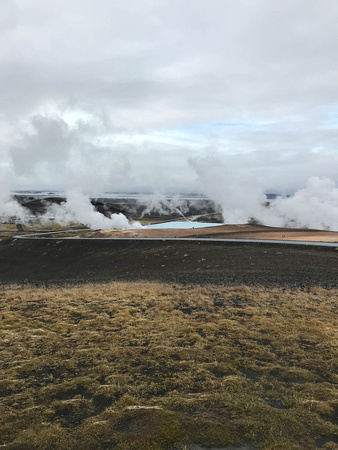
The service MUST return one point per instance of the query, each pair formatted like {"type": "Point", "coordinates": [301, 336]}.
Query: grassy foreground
{"type": "Point", "coordinates": [153, 366]}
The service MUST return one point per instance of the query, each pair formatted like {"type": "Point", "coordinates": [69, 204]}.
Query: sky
{"type": "Point", "coordinates": [170, 95]}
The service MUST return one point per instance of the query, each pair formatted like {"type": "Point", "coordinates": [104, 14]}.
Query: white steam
{"type": "Point", "coordinates": [315, 206]}
{"type": "Point", "coordinates": [242, 198]}
{"type": "Point", "coordinates": [9, 207]}
{"type": "Point", "coordinates": [78, 209]}
{"type": "Point", "coordinates": [158, 203]}
{"type": "Point", "coordinates": [51, 146]}
{"type": "Point", "coordinates": [237, 192]}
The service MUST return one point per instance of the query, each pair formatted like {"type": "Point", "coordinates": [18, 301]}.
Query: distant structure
{"type": "Point", "coordinates": [19, 227]}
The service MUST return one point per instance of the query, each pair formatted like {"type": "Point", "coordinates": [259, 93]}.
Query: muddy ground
{"type": "Point", "coordinates": [72, 261]}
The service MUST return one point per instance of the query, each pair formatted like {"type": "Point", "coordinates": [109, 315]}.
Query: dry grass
{"type": "Point", "coordinates": [152, 366]}
{"type": "Point", "coordinates": [8, 229]}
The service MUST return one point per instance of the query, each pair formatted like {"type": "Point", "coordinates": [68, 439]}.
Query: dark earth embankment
{"type": "Point", "coordinates": [77, 261]}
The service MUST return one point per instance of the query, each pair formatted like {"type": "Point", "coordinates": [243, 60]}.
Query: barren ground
{"type": "Point", "coordinates": [196, 262]}
{"type": "Point", "coordinates": [224, 231]}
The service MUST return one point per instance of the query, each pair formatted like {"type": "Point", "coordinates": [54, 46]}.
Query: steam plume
{"type": "Point", "coordinates": [78, 209]}
{"type": "Point", "coordinates": [162, 205]}
{"type": "Point", "coordinates": [242, 197]}
{"type": "Point", "coordinates": [315, 206]}
{"type": "Point", "coordinates": [8, 206]}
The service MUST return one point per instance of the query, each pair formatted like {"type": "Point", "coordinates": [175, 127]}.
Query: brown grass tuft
{"type": "Point", "coordinates": [155, 366]}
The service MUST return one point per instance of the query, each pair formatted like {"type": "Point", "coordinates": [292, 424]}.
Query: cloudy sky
{"type": "Point", "coordinates": [151, 95]}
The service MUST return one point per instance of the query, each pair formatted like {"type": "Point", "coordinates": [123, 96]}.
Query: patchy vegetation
{"type": "Point", "coordinates": [7, 230]}
{"type": "Point", "coordinates": [153, 366]}
{"type": "Point", "coordinates": [10, 229]}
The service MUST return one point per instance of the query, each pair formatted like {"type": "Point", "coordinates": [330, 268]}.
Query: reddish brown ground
{"type": "Point", "coordinates": [223, 231]}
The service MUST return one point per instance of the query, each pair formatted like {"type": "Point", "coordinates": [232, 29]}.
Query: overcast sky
{"type": "Point", "coordinates": [143, 95]}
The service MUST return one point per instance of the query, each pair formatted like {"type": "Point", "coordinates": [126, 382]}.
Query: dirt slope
{"type": "Point", "coordinates": [224, 231]}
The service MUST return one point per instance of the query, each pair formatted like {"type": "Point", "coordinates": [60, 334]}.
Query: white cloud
{"type": "Point", "coordinates": [122, 95]}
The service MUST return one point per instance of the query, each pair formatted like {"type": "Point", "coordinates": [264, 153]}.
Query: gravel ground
{"type": "Point", "coordinates": [46, 261]}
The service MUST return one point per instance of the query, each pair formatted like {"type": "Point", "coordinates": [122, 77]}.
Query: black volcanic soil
{"type": "Point", "coordinates": [44, 261]}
